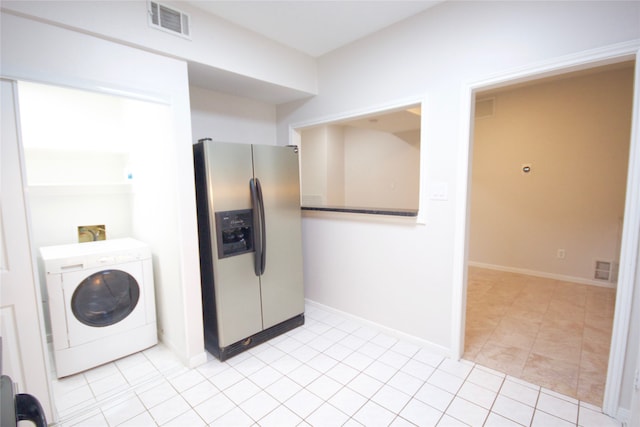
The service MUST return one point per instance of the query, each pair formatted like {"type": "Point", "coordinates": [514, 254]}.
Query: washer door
{"type": "Point", "coordinates": [105, 298]}
{"type": "Point", "coordinates": [100, 302]}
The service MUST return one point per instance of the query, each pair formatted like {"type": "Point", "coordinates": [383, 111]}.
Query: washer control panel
{"type": "Point", "coordinates": [81, 256]}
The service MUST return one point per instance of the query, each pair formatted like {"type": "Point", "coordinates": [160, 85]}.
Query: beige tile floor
{"type": "Point", "coordinates": [548, 332]}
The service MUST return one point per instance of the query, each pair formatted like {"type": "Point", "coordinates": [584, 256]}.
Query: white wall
{"type": "Point", "coordinates": [79, 151]}
{"type": "Point", "coordinates": [575, 133]}
{"type": "Point", "coordinates": [229, 118]}
{"type": "Point", "coordinates": [216, 45]}
{"type": "Point", "coordinates": [402, 276]}
{"type": "Point", "coordinates": [36, 51]}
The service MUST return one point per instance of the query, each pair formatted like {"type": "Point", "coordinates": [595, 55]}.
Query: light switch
{"type": "Point", "coordinates": [439, 191]}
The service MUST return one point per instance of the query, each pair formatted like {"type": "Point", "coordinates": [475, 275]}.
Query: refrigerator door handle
{"type": "Point", "coordinates": [263, 230]}
{"type": "Point", "coordinates": [259, 234]}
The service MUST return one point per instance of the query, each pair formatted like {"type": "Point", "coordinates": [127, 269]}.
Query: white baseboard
{"type": "Point", "coordinates": [197, 360]}
{"type": "Point", "coordinates": [189, 362]}
{"type": "Point", "coordinates": [435, 348]}
{"type": "Point", "coordinates": [546, 275]}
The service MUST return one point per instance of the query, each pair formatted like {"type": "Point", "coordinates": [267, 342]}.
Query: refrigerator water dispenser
{"type": "Point", "coordinates": [235, 232]}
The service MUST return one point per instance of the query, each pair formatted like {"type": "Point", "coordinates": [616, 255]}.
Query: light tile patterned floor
{"type": "Point", "coordinates": [332, 371]}
{"type": "Point", "coordinates": [553, 333]}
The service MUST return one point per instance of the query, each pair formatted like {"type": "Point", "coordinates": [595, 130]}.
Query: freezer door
{"type": "Point", "coordinates": [238, 305]}
{"type": "Point", "coordinates": [237, 289]}
{"type": "Point", "coordinates": [282, 283]}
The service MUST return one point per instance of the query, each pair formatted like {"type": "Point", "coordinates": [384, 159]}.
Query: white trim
{"type": "Point", "coordinates": [461, 222]}
{"type": "Point", "coordinates": [439, 350]}
{"type": "Point", "coordinates": [628, 260]}
{"type": "Point", "coordinates": [197, 360]}
{"type": "Point", "coordinates": [46, 398]}
{"type": "Point", "coordinates": [562, 65]}
{"type": "Point", "coordinates": [535, 273]}
{"type": "Point", "coordinates": [90, 86]}
{"type": "Point", "coordinates": [357, 113]}
{"type": "Point", "coordinates": [631, 230]}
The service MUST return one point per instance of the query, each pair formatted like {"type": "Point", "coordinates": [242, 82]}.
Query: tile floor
{"type": "Point", "coordinates": [332, 371]}
{"type": "Point", "coordinates": [556, 334]}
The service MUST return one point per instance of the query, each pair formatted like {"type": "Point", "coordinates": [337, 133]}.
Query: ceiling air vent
{"type": "Point", "coordinates": [168, 19]}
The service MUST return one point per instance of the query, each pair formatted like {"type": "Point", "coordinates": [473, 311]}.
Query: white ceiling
{"type": "Point", "coordinates": [311, 26]}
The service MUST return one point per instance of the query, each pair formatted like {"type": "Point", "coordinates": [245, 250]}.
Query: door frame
{"type": "Point", "coordinates": [24, 340]}
{"type": "Point", "coordinates": [631, 228]}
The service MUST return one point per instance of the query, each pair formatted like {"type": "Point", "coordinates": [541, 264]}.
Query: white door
{"type": "Point", "coordinates": [23, 348]}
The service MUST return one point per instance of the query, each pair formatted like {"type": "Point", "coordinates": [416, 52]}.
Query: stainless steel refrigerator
{"type": "Point", "coordinates": [248, 203]}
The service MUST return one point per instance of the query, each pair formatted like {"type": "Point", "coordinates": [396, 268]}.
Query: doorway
{"type": "Point", "coordinates": [89, 158]}
{"type": "Point", "coordinates": [617, 385]}
{"type": "Point", "coordinates": [547, 200]}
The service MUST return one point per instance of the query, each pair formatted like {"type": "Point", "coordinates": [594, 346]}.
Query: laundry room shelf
{"type": "Point", "coordinates": [78, 189]}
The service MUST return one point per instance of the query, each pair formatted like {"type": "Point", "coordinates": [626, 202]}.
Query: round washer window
{"type": "Point", "coordinates": [105, 298]}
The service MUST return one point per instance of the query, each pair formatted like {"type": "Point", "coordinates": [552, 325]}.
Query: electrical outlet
{"type": "Point", "coordinates": [561, 254]}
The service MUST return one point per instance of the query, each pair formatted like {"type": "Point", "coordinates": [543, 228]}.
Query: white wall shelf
{"type": "Point", "coordinates": [78, 189]}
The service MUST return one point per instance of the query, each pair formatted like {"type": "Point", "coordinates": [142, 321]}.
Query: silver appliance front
{"type": "Point", "coordinates": [246, 300]}
{"type": "Point", "coordinates": [237, 290]}
{"type": "Point", "coordinates": [281, 282]}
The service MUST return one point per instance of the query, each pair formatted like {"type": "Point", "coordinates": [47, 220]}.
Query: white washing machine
{"type": "Point", "coordinates": [101, 302]}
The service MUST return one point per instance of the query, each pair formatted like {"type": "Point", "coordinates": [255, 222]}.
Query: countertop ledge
{"type": "Point", "coordinates": [369, 211]}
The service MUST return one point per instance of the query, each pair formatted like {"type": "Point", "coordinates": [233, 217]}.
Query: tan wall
{"type": "Point", "coordinates": [381, 169]}
{"type": "Point", "coordinates": [575, 134]}
{"type": "Point", "coordinates": [355, 167]}
{"type": "Point", "coordinates": [313, 156]}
